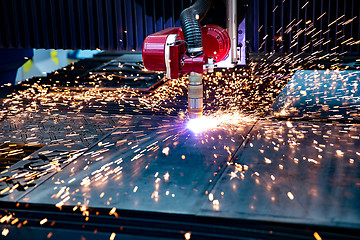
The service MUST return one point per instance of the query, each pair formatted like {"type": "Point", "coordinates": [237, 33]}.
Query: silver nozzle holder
{"type": "Point", "coordinates": [195, 95]}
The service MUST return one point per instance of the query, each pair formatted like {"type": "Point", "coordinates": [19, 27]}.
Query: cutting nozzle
{"type": "Point", "coordinates": [195, 95]}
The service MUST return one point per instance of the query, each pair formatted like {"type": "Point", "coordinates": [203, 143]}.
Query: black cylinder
{"type": "Point", "coordinates": [189, 20]}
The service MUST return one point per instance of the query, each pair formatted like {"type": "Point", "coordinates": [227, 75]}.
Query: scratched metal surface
{"type": "Point", "coordinates": [65, 136]}
{"type": "Point", "coordinates": [302, 172]}
{"type": "Point", "coordinates": [152, 163]}
{"type": "Point", "coordinates": [58, 128]}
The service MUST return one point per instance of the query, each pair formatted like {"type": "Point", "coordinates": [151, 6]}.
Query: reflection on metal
{"type": "Point", "coordinates": [150, 164]}
{"type": "Point", "coordinates": [299, 172]}
{"type": "Point", "coordinates": [119, 152]}
{"type": "Point", "coordinates": [320, 94]}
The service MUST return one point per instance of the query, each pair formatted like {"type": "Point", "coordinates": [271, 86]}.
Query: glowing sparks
{"type": "Point", "coordinates": [339, 153]}
{"type": "Point", "coordinates": [317, 236]}
{"type": "Point", "coordinates": [216, 120]}
{"type": "Point", "coordinates": [211, 197]}
{"type": "Point", "coordinates": [267, 160]}
{"type": "Point", "coordinates": [216, 205]}
{"type": "Point", "coordinates": [166, 177]}
{"type": "Point", "coordinates": [233, 175]}
{"type": "Point", "coordinates": [198, 125]}
{"type": "Point", "coordinates": [43, 221]}
{"type": "Point", "coordinates": [4, 190]}
{"type": "Point", "coordinates": [113, 212]}
{"type": "Point", "coordinates": [5, 218]}
{"type": "Point", "coordinates": [5, 232]}
{"type": "Point", "coordinates": [187, 235]}
{"type": "Point", "coordinates": [166, 151]}
{"type": "Point", "coordinates": [112, 236]}
{"type": "Point", "coordinates": [290, 195]}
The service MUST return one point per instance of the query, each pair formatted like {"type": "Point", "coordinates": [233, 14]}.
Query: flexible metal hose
{"type": "Point", "coordinates": [189, 20]}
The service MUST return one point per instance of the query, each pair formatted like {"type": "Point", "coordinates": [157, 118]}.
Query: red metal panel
{"type": "Point", "coordinates": [216, 42]}
{"type": "Point", "coordinates": [154, 49]}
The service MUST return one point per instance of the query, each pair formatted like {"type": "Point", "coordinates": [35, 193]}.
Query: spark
{"type": "Point", "coordinates": [268, 161]}
{"type": "Point", "coordinates": [113, 212]}
{"type": "Point", "coordinates": [202, 124]}
{"type": "Point", "coordinates": [339, 153]}
{"type": "Point", "coordinates": [290, 195]}
{"type": "Point", "coordinates": [5, 232]}
{"type": "Point", "coordinates": [43, 221]}
{"type": "Point", "coordinates": [216, 204]}
{"type": "Point", "coordinates": [211, 197]}
{"type": "Point", "coordinates": [166, 151]}
{"type": "Point", "coordinates": [317, 236]}
{"type": "Point", "coordinates": [217, 120]}
{"type": "Point", "coordinates": [233, 175]}
{"type": "Point", "coordinates": [187, 235]}
{"type": "Point", "coordinates": [166, 177]}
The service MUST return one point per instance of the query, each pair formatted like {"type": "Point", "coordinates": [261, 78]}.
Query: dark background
{"type": "Point", "coordinates": [123, 24]}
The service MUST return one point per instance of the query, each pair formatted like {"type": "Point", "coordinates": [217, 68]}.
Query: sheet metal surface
{"type": "Point", "coordinates": [301, 172]}
{"type": "Point", "coordinates": [65, 137]}
{"type": "Point", "coordinates": [152, 164]}
{"type": "Point", "coordinates": [320, 94]}
{"type": "Point", "coordinates": [287, 171]}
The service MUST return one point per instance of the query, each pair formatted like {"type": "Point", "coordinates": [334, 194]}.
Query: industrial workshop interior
{"type": "Point", "coordinates": [179, 119]}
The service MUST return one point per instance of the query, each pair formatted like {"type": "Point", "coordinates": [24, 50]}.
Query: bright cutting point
{"type": "Point", "coordinates": [198, 125]}
{"type": "Point", "coordinates": [218, 119]}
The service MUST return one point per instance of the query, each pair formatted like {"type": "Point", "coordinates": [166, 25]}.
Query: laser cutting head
{"type": "Point", "coordinates": [166, 51]}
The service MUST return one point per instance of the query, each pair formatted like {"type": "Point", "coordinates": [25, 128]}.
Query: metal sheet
{"type": "Point", "coordinates": [152, 164]}
{"type": "Point", "coordinates": [300, 172]}
{"type": "Point", "coordinates": [320, 94]}
{"type": "Point", "coordinates": [65, 137]}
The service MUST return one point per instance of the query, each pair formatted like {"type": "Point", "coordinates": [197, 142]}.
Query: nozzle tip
{"type": "Point", "coordinates": [195, 113]}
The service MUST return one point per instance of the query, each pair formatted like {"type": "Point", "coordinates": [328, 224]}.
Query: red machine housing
{"type": "Point", "coordinates": [216, 42]}
{"type": "Point", "coordinates": [165, 50]}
